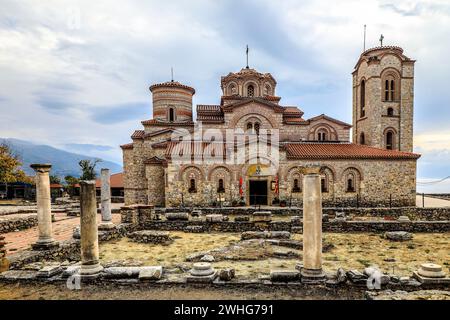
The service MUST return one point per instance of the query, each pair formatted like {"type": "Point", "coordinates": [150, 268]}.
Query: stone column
{"type": "Point", "coordinates": [44, 213]}
{"type": "Point", "coordinates": [312, 225]}
{"type": "Point", "coordinates": [88, 228]}
{"type": "Point", "coordinates": [106, 223]}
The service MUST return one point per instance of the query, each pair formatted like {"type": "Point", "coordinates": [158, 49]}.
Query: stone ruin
{"type": "Point", "coordinates": [310, 271]}
{"type": "Point", "coordinates": [150, 236]}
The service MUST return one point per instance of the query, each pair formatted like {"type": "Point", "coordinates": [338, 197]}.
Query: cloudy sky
{"type": "Point", "coordinates": [75, 74]}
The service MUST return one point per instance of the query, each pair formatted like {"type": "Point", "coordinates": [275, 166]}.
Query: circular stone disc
{"type": "Point", "coordinates": [431, 267]}
{"type": "Point", "coordinates": [202, 266]}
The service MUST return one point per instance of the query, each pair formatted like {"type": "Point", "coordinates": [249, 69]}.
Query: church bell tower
{"type": "Point", "coordinates": [383, 99]}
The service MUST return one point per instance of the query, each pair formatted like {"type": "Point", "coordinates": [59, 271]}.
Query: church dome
{"type": "Point", "coordinates": [248, 83]}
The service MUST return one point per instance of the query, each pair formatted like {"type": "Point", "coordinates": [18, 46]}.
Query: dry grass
{"type": "Point", "coordinates": [352, 251]}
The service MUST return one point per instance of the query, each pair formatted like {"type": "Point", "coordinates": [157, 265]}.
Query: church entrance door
{"type": "Point", "coordinates": [258, 192]}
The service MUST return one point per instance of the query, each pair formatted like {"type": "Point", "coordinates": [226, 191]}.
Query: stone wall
{"type": "Point", "coordinates": [21, 223]}
{"type": "Point", "coordinates": [346, 226]}
{"type": "Point", "coordinates": [414, 213]}
{"type": "Point", "coordinates": [378, 183]}
{"type": "Point", "coordinates": [67, 250]}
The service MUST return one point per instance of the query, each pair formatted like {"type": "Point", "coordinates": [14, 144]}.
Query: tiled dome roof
{"type": "Point", "coordinates": [172, 84]}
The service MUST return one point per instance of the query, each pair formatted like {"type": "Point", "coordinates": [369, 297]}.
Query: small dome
{"type": "Point", "coordinates": [172, 84]}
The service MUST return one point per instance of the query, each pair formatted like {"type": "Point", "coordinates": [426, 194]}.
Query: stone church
{"type": "Point", "coordinates": [376, 168]}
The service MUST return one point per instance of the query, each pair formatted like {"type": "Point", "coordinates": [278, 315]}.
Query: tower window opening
{"type": "Point", "coordinates": [386, 90]}
{"type": "Point", "coordinates": [171, 115]}
{"type": "Point", "coordinates": [390, 112]}
{"type": "Point", "coordinates": [362, 138]}
{"type": "Point", "coordinates": [392, 91]}
{"type": "Point", "coordinates": [250, 91]}
{"type": "Point", "coordinates": [389, 140]}
{"type": "Point", "coordinates": [249, 126]}
{"type": "Point", "coordinates": [363, 99]}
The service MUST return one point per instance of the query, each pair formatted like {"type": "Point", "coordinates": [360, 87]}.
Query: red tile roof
{"type": "Point", "coordinates": [296, 120]}
{"type": "Point", "coordinates": [156, 122]}
{"type": "Point", "coordinates": [210, 113]}
{"type": "Point", "coordinates": [206, 150]}
{"type": "Point", "coordinates": [138, 134]}
{"type": "Point", "coordinates": [323, 116]}
{"type": "Point", "coordinates": [116, 181]}
{"type": "Point", "coordinates": [174, 84]}
{"type": "Point", "coordinates": [127, 146]}
{"type": "Point", "coordinates": [342, 151]}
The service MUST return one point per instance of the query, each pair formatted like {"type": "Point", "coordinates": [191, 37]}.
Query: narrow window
{"type": "Point", "coordinates": [171, 115]}
{"type": "Point", "coordinates": [350, 185]}
{"type": "Point", "coordinates": [257, 128]}
{"type": "Point", "coordinates": [323, 185]}
{"type": "Point", "coordinates": [363, 98]}
{"type": "Point", "coordinates": [390, 112]}
{"type": "Point", "coordinates": [392, 91]}
{"type": "Point", "coordinates": [192, 188]}
{"type": "Point", "coordinates": [386, 90]}
{"type": "Point", "coordinates": [389, 140]}
{"type": "Point", "coordinates": [249, 126]}
{"type": "Point", "coordinates": [362, 138]}
{"type": "Point", "coordinates": [322, 135]}
{"type": "Point", "coordinates": [220, 188]}
{"type": "Point", "coordinates": [250, 91]}
{"type": "Point", "coordinates": [296, 187]}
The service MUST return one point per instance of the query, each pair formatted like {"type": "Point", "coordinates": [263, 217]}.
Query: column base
{"type": "Point", "coordinates": [106, 225]}
{"type": "Point", "coordinates": [90, 270]}
{"type": "Point", "coordinates": [312, 275]}
{"type": "Point", "coordinates": [45, 245]}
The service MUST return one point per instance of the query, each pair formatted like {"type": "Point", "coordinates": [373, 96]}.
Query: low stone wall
{"type": "Point", "coordinates": [20, 223]}
{"type": "Point", "coordinates": [67, 250]}
{"type": "Point", "coordinates": [341, 226]}
{"type": "Point", "coordinates": [414, 213]}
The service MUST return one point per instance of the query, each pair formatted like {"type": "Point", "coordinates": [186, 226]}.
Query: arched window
{"type": "Point", "coordinates": [322, 135]}
{"type": "Point", "coordinates": [350, 183]}
{"type": "Point", "coordinates": [171, 115]}
{"type": "Point", "coordinates": [363, 98]}
{"type": "Point", "coordinates": [323, 185]}
{"type": "Point", "coordinates": [250, 91]}
{"type": "Point", "coordinates": [390, 88]}
{"type": "Point", "coordinates": [362, 138]}
{"type": "Point", "coordinates": [257, 125]}
{"type": "Point", "coordinates": [391, 92]}
{"type": "Point", "coordinates": [390, 112]}
{"type": "Point", "coordinates": [249, 126]}
{"type": "Point", "coordinates": [232, 89]}
{"type": "Point", "coordinates": [296, 187]}
{"type": "Point", "coordinates": [220, 187]}
{"type": "Point", "coordinates": [389, 140]}
{"type": "Point", "coordinates": [192, 188]}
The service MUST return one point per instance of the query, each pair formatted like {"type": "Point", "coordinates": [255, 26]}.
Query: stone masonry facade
{"type": "Point", "coordinates": [377, 169]}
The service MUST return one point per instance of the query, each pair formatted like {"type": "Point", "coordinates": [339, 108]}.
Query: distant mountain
{"type": "Point", "coordinates": [63, 163]}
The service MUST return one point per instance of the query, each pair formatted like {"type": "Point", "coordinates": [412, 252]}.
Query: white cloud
{"type": "Point", "coordinates": [62, 62]}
